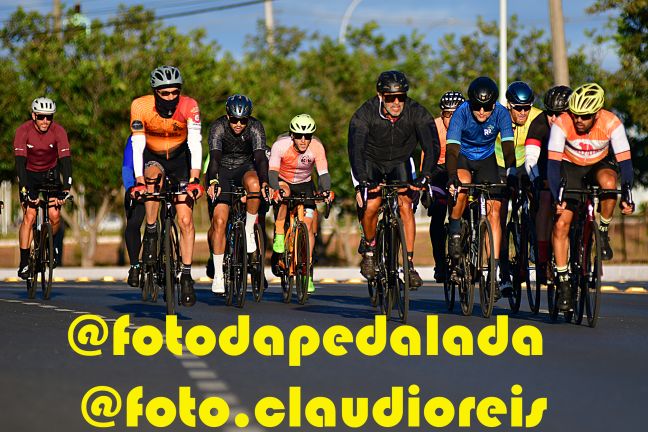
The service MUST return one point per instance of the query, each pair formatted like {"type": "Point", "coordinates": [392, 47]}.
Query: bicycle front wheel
{"type": "Point", "coordinates": [257, 265]}
{"type": "Point", "coordinates": [238, 266]}
{"type": "Point", "coordinates": [46, 259]}
{"type": "Point", "coordinates": [381, 255]}
{"type": "Point", "coordinates": [486, 268]}
{"type": "Point", "coordinates": [450, 281]}
{"type": "Point", "coordinates": [517, 263]}
{"type": "Point", "coordinates": [170, 265]}
{"type": "Point", "coordinates": [592, 266]}
{"type": "Point", "coordinates": [401, 271]}
{"type": "Point", "coordinates": [302, 261]}
{"type": "Point", "coordinates": [34, 256]}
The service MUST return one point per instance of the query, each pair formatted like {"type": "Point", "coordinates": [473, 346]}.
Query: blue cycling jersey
{"type": "Point", "coordinates": [477, 140]}
{"type": "Point", "coordinates": [128, 173]}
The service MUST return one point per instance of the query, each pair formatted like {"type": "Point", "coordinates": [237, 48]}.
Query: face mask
{"type": "Point", "coordinates": [165, 108]}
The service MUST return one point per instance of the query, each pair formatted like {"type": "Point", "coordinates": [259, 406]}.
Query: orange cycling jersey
{"type": "Point", "coordinates": [163, 135]}
{"type": "Point", "coordinates": [588, 148]}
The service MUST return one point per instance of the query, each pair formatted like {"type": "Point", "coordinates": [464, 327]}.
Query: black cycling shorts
{"type": "Point", "coordinates": [306, 188]}
{"type": "Point", "coordinates": [377, 172]}
{"type": "Point", "coordinates": [35, 180]}
{"type": "Point", "coordinates": [229, 179]}
{"type": "Point", "coordinates": [482, 171]}
{"type": "Point", "coordinates": [175, 166]}
{"type": "Point", "coordinates": [579, 176]}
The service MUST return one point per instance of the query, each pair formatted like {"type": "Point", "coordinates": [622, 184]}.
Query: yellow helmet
{"type": "Point", "coordinates": [587, 99]}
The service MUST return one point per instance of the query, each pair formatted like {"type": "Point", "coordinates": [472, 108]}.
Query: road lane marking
{"type": "Point", "coordinates": [636, 290]}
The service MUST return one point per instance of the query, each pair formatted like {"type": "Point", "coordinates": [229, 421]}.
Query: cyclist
{"type": "Point", "coordinates": [555, 103]}
{"type": "Point", "coordinates": [135, 213]}
{"type": "Point", "coordinates": [520, 98]}
{"type": "Point", "coordinates": [448, 104]}
{"type": "Point", "coordinates": [42, 154]}
{"type": "Point", "coordinates": [579, 147]}
{"type": "Point", "coordinates": [237, 146]}
{"type": "Point", "coordinates": [470, 156]}
{"type": "Point", "coordinates": [166, 140]}
{"type": "Point", "coordinates": [383, 134]}
{"type": "Point", "coordinates": [292, 159]}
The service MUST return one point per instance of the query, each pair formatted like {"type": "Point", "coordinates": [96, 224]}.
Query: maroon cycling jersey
{"type": "Point", "coordinates": [42, 150]}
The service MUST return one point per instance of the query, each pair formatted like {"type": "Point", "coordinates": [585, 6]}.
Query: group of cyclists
{"type": "Point", "coordinates": [474, 140]}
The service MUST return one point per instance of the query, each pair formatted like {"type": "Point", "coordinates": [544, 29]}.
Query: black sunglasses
{"type": "Point", "coordinates": [582, 116]}
{"type": "Point", "coordinates": [391, 98]}
{"type": "Point", "coordinates": [520, 108]}
{"type": "Point", "coordinates": [242, 120]}
{"type": "Point", "coordinates": [44, 117]}
{"type": "Point", "coordinates": [306, 136]}
{"type": "Point", "coordinates": [477, 106]}
{"type": "Point", "coordinates": [553, 113]}
{"type": "Point", "coordinates": [168, 93]}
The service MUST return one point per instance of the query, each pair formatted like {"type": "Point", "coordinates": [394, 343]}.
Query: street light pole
{"type": "Point", "coordinates": [503, 51]}
{"type": "Point", "coordinates": [345, 20]}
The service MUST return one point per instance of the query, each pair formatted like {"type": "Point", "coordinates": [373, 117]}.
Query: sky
{"type": "Point", "coordinates": [431, 18]}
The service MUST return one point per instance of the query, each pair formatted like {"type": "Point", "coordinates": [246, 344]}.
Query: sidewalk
{"type": "Point", "coordinates": [611, 273]}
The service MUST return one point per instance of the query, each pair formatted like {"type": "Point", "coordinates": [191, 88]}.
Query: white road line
{"type": "Point", "coordinates": [212, 386]}
{"type": "Point", "coordinates": [200, 374]}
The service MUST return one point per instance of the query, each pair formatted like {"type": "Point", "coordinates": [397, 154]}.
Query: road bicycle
{"type": "Point", "coordinates": [236, 263]}
{"type": "Point", "coordinates": [297, 265]}
{"type": "Point", "coordinates": [389, 290]}
{"type": "Point", "coordinates": [585, 258]}
{"type": "Point", "coordinates": [42, 259]}
{"type": "Point", "coordinates": [164, 272]}
{"type": "Point", "coordinates": [477, 261]}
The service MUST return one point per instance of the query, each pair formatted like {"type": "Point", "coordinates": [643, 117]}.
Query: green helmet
{"type": "Point", "coordinates": [302, 123]}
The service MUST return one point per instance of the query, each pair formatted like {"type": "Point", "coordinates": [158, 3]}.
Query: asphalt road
{"type": "Point", "coordinates": [591, 379]}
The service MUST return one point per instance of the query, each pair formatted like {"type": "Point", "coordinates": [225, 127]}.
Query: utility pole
{"type": "Point", "coordinates": [503, 53]}
{"type": "Point", "coordinates": [558, 49]}
{"type": "Point", "coordinates": [269, 20]}
{"type": "Point", "coordinates": [57, 17]}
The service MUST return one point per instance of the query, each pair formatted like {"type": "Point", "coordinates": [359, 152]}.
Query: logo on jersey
{"type": "Point", "coordinates": [490, 130]}
{"type": "Point", "coordinates": [137, 125]}
{"type": "Point", "coordinates": [195, 112]}
{"type": "Point", "coordinates": [306, 159]}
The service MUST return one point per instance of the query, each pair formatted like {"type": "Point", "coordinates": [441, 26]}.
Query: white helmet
{"type": "Point", "coordinates": [43, 105]}
{"type": "Point", "coordinates": [166, 76]}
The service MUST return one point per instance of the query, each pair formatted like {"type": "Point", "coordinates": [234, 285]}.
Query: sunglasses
{"type": "Point", "coordinates": [553, 113]}
{"type": "Point", "coordinates": [478, 107]}
{"type": "Point", "coordinates": [242, 120]}
{"type": "Point", "coordinates": [168, 93]}
{"type": "Point", "coordinates": [391, 98]}
{"type": "Point", "coordinates": [446, 114]}
{"type": "Point", "coordinates": [583, 116]}
{"type": "Point", "coordinates": [44, 117]}
{"type": "Point", "coordinates": [521, 108]}
{"type": "Point", "coordinates": [306, 136]}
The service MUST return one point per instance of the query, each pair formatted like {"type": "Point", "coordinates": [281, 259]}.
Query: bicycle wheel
{"type": "Point", "coordinates": [592, 277]}
{"type": "Point", "coordinates": [383, 292]}
{"type": "Point", "coordinates": [529, 246]}
{"type": "Point", "coordinates": [147, 282]}
{"type": "Point", "coordinates": [486, 268]}
{"type": "Point", "coordinates": [46, 259]}
{"type": "Point", "coordinates": [302, 262]}
{"type": "Point", "coordinates": [169, 263]}
{"type": "Point", "coordinates": [33, 263]}
{"type": "Point", "coordinates": [238, 267]}
{"type": "Point", "coordinates": [449, 283]}
{"type": "Point", "coordinates": [401, 270]}
{"type": "Point", "coordinates": [257, 265]}
{"type": "Point", "coordinates": [517, 264]}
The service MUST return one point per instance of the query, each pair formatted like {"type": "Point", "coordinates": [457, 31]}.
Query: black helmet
{"type": "Point", "coordinates": [482, 92]}
{"type": "Point", "coordinates": [392, 82]}
{"type": "Point", "coordinates": [238, 106]}
{"type": "Point", "coordinates": [556, 98]}
{"type": "Point", "coordinates": [451, 100]}
{"type": "Point", "coordinates": [519, 93]}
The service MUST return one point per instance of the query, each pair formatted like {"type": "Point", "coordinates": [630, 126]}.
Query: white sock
{"type": "Point", "coordinates": [218, 265]}
{"type": "Point", "coordinates": [250, 220]}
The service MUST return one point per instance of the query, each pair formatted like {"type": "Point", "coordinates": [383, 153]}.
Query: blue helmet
{"type": "Point", "coordinates": [238, 106]}
{"type": "Point", "coordinates": [519, 93]}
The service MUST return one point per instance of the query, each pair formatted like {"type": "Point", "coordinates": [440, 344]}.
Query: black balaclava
{"type": "Point", "coordinates": [165, 108]}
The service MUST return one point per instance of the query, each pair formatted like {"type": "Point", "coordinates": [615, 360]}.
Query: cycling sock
{"type": "Point", "coordinates": [497, 272]}
{"type": "Point", "coordinates": [454, 226]}
{"type": "Point", "coordinates": [278, 243]}
{"type": "Point", "coordinates": [561, 269]}
{"type": "Point", "coordinates": [371, 244]}
{"type": "Point", "coordinates": [543, 249]}
{"type": "Point", "coordinates": [186, 269]}
{"type": "Point", "coordinates": [24, 257]}
{"type": "Point", "coordinates": [218, 265]}
{"type": "Point", "coordinates": [605, 224]}
{"type": "Point", "coordinates": [151, 228]}
{"type": "Point", "coordinates": [250, 220]}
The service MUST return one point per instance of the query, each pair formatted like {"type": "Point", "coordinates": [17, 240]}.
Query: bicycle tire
{"type": "Point", "coordinates": [449, 285]}
{"type": "Point", "coordinates": [46, 260]}
{"type": "Point", "coordinates": [257, 265]}
{"type": "Point", "coordinates": [486, 268]}
{"type": "Point", "coordinates": [517, 265]}
{"type": "Point", "coordinates": [149, 289]}
{"type": "Point", "coordinates": [32, 278]}
{"type": "Point", "coordinates": [169, 263]}
{"type": "Point", "coordinates": [401, 270]}
{"type": "Point", "coordinates": [238, 265]}
{"type": "Point", "coordinates": [302, 261]}
{"type": "Point", "coordinates": [382, 287]}
{"type": "Point", "coordinates": [592, 278]}
{"type": "Point", "coordinates": [529, 246]}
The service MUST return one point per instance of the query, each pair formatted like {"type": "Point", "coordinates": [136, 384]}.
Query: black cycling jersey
{"type": "Point", "coordinates": [539, 131]}
{"type": "Point", "coordinates": [231, 151]}
{"type": "Point", "coordinates": [374, 137]}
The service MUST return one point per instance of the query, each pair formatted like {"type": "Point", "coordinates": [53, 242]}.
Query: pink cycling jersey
{"type": "Point", "coordinates": [295, 167]}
